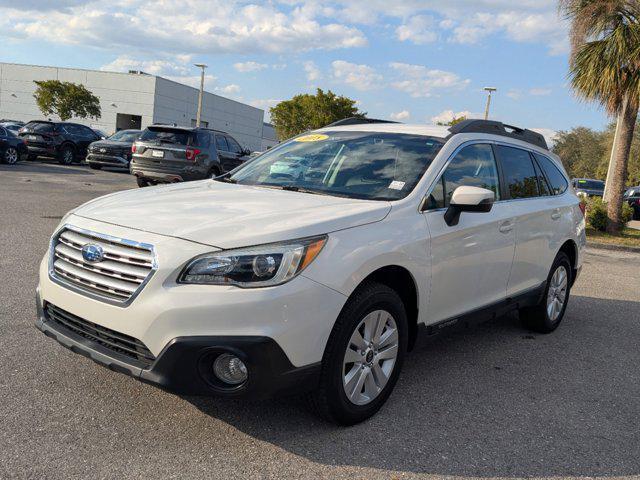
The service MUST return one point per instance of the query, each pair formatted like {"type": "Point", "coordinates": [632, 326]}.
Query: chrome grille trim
{"type": "Point", "coordinates": [118, 279]}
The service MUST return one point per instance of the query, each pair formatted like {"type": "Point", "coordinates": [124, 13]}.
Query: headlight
{"type": "Point", "coordinates": [262, 266]}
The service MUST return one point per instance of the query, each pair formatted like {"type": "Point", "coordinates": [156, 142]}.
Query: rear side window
{"type": "Point", "coordinates": [472, 166]}
{"type": "Point", "coordinates": [168, 135]}
{"type": "Point", "coordinates": [557, 181]}
{"type": "Point", "coordinates": [221, 143]}
{"type": "Point", "coordinates": [3, 132]}
{"type": "Point", "coordinates": [542, 182]}
{"type": "Point", "coordinates": [519, 174]}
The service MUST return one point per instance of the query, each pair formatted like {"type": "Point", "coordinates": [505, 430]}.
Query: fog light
{"type": "Point", "coordinates": [230, 369]}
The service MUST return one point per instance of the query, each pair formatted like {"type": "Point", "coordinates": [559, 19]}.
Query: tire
{"type": "Point", "coordinates": [11, 156]}
{"type": "Point", "coordinates": [142, 182]}
{"type": "Point", "coordinates": [545, 317]}
{"type": "Point", "coordinates": [95, 166]}
{"type": "Point", "coordinates": [339, 376]}
{"type": "Point", "coordinates": [67, 155]}
{"type": "Point", "coordinates": [214, 172]}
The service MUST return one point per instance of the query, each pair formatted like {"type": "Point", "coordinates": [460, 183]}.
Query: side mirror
{"type": "Point", "coordinates": [468, 199]}
{"type": "Point", "coordinates": [246, 151]}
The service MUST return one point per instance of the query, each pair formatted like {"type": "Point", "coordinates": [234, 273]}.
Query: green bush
{"type": "Point", "coordinates": [627, 212]}
{"type": "Point", "coordinates": [597, 213]}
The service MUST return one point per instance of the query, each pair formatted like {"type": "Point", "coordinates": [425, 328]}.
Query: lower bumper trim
{"type": "Point", "coordinates": [185, 364]}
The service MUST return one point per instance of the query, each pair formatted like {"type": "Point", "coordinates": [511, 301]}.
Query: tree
{"type": "Point", "coordinates": [452, 122]}
{"type": "Point", "coordinates": [605, 67]}
{"type": "Point", "coordinates": [307, 112]}
{"type": "Point", "coordinates": [581, 150]}
{"type": "Point", "coordinates": [66, 100]}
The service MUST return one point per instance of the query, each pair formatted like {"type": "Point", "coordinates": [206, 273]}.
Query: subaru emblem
{"type": "Point", "coordinates": [92, 253]}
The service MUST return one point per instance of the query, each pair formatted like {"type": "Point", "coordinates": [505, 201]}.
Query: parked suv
{"type": "Point", "coordinates": [588, 187]}
{"type": "Point", "coordinates": [260, 283]}
{"type": "Point", "coordinates": [166, 153]}
{"type": "Point", "coordinates": [114, 151]}
{"type": "Point", "coordinates": [65, 141]}
{"type": "Point", "coordinates": [632, 197]}
{"type": "Point", "coordinates": [12, 148]}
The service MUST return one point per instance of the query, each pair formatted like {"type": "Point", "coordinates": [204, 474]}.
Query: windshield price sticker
{"type": "Point", "coordinates": [317, 137]}
{"type": "Point", "coordinates": [396, 185]}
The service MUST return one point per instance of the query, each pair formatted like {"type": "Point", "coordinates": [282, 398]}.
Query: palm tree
{"type": "Point", "coordinates": [605, 67]}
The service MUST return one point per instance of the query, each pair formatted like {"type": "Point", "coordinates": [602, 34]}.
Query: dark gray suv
{"type": "Point", "coordinates": [166, 153]}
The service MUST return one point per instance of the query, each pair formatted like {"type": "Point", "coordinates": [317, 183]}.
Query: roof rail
{"type": "Point", "coordinates": [498, 128]}
{"type": "Point", "coordinates": [357, 121]}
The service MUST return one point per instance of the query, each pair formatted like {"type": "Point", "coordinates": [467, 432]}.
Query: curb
{"type": "Point", "coordinates": [616, 248]}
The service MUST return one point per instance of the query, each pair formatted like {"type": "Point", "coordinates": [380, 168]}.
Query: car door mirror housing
{"type": "Point", "coordinates": [468, 199]}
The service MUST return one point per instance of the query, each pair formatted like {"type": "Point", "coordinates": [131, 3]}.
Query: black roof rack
{"type": "Point", "coordinates": [357, 121]}
{"type": "Point", "coordinates": [498, 128]}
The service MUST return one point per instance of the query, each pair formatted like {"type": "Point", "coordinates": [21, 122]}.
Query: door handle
{"type": "Point", "coordinates": [506, 227]}
{"type": "Point", "coordinates": [556, 214]}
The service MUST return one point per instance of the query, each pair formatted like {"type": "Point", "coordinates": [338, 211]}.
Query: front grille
{"type": "Point", "coordinates": [125, 268]}
{"type": "Point", "coordinates": [114, 341]}
{"type": "Point", "coordinates": [110, 151]}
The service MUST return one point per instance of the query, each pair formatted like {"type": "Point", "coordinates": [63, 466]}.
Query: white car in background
{"type": "Point", "coordinates": [259, 283]}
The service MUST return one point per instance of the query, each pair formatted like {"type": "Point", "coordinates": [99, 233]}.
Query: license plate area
{"type": "Point", "coordinates": [157, 153]}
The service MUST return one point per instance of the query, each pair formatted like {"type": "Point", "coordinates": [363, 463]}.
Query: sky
{"type": "Point", "coordinates": [416, 61]}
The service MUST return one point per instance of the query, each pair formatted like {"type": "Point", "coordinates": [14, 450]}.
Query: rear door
{"type": "Point", "coordinates": [536, 216]}
{"type": "Point", "coordinates": [236, 151]}
{"type": "Point", "coordinates": [471, 260]}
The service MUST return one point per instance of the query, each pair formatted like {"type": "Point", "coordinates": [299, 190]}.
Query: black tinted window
{"type": "Point", "coordinates": [204, 140]}
{"type": "Point", "coordinates": [542, 182]}
{"type": "Point", "coordinates": [221, 143]}
{"type": "Point", "coordinates": [168, 135]}
{"type": "Point", "coordinates": [518, 171]}
{"type": "Point", "coordinates": [473, 166]}
{"type": "Point", "coordinates": [3, 132]}
{"type": "Point", "coordinates": [558, 182]}
{"type": "Point", "coordinates": [40, 127]}
{"type": "Point", "coordinates": [233, 145]}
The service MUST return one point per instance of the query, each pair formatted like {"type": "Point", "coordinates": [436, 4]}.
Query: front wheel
{"type": "Point", "coordinates": [142, 182]}
{"type": "Point", "coordinates": [11, 156]}
{"type": "Point", "coordinates": [67, 155]}
{"type": "Point", "coordinates": [549, 312]}
{"type": "Point", "coordinates": [363, 357]}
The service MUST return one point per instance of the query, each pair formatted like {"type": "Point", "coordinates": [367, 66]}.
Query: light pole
{"type": "Point", "coordinates": [199, 114]}
{"type": "Point", "coordinates": [486, 110]}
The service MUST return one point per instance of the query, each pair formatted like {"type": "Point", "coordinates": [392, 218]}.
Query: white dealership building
{"type": "Point", "coordinates": [135, 100]}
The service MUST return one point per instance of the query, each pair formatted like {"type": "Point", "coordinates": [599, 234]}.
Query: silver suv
{"type": "Point", "coordinates": [166, 154]}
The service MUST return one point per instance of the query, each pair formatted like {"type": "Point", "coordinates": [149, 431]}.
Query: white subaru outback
{"type": "Point", "coordinates": [317, 277]}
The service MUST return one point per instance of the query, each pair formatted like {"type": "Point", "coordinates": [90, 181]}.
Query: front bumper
{"type": "Point", "coordinates": [185, 364]}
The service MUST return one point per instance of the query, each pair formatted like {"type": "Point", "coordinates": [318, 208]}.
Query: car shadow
{"type": "Point", "coordinates": [494, 400]}
{"type": "Point", "coordinates": [46, 166]}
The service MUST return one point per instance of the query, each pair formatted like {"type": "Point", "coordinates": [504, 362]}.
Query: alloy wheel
{"type": "Point", "coordinates": [11, 156]}
{"type": "Point", "coordinates": [370, 357]}
{"type": "Point", "coordinates": [557, 294]}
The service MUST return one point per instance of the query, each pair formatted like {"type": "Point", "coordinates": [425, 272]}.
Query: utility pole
{"type": "Point", "coordinates": [486, 110]}
{"type": "Point", "coordinates": [199, 114]}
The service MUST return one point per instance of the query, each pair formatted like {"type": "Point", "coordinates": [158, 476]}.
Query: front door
{"type": "Point", "coordinates": [471, 261]}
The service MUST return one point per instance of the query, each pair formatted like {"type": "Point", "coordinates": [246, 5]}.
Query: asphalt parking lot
{"type": "Point", "coordinates": [492, 401]}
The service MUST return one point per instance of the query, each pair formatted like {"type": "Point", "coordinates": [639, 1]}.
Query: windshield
{"type": "Point", "coordinates": [372, 166]}
{"type": "Point", "coordinates": [590, 184]}
{"type": "Point", "coordinates": [167, 135]}
{"type": "Point", "coordinates": [125, 136]}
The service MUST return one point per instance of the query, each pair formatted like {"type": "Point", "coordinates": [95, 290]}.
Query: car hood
{"type": "Point", "coordinates": [226, 215]}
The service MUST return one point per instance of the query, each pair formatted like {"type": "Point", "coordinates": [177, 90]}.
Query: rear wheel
{"type": "Point", "coordinates": [67, 155]}
{"type": "Point", "coordinates": [11, 156]}
{"type": "Point", "coordinates": [142, 182]}
{"type": "Point", "coordinates": [549, 312]}
{"type": "Point", "coordinates": [363, 357]}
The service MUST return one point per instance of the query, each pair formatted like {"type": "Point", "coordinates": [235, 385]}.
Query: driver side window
{"type": "Point", "coordinates": [473, 166]}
